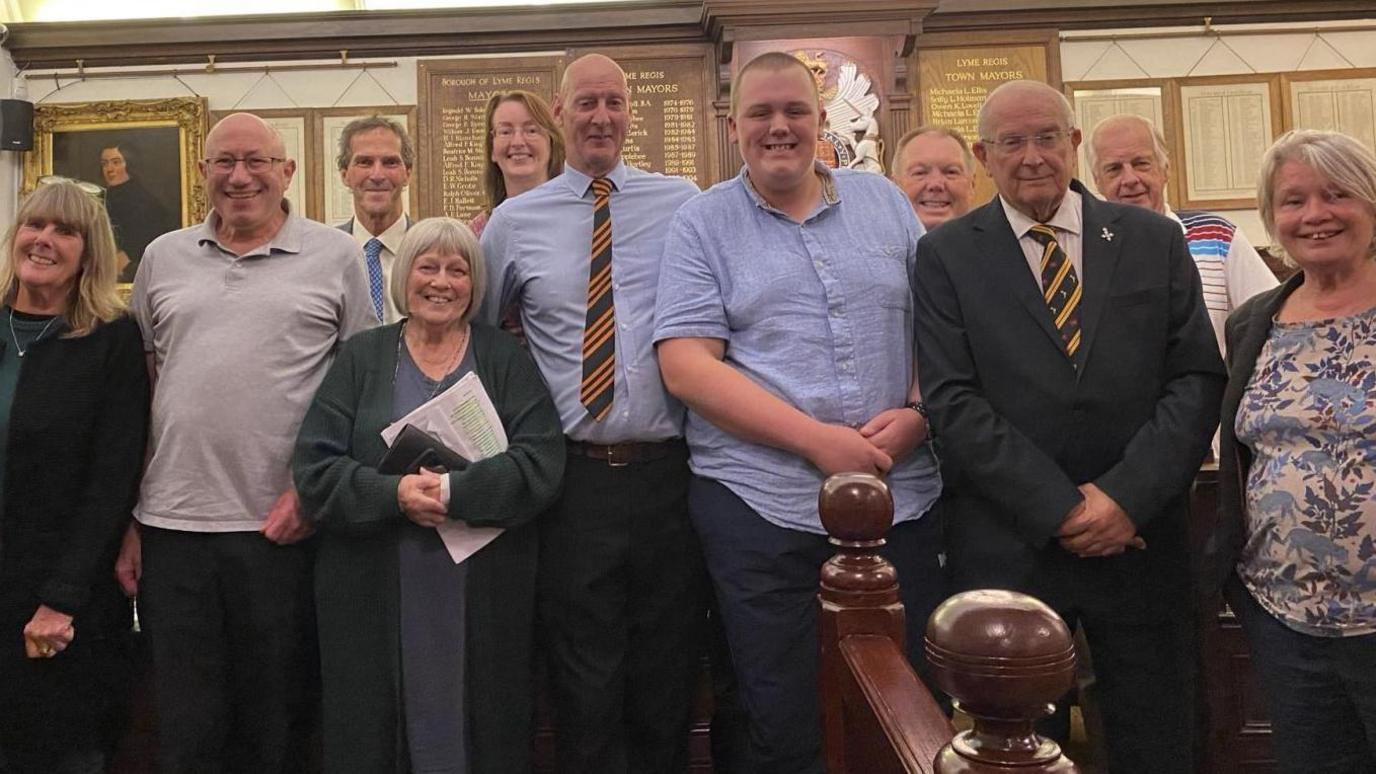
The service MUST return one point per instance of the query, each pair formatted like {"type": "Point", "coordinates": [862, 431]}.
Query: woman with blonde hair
{"type": "Point", "coordinates": [1296, 538]}
{"type": "Point", "coordinates": [73, 421]}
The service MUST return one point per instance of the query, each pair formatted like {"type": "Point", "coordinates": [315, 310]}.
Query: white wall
{"type": "Point", "coordinates": [1264, 49]}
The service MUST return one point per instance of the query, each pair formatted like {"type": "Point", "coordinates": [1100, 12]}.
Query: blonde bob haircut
{"type": "Point", "coordinates": [494, 184]}
{"type": "Point", "coordinates": [94, 298]}
{"type": "Point", "coordinates": [1346, 163]}
{"type": "Point", "coordinates": [446, 236]}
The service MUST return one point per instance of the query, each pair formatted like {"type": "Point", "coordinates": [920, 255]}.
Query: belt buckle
{"type": "Point", "coordinates": [612, 460]}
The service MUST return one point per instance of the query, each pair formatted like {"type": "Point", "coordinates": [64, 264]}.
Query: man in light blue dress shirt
{"type": "Point", "coordinates": [785, 323]}
{"type": "Point", "coordinates": [621, 588]}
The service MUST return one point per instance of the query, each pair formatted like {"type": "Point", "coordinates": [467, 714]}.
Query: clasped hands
{"type": "Point", "coordinates": [873, 447]}
{"type": "Point", "coordinates": [48, 633]}
{"type": "Point", "coordinates": [418, 496]}
{"type": "Point", "coordinates": [1098, 526]}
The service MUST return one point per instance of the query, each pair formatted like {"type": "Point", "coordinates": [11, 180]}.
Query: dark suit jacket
{"type": "Point", "coordinates": [1020, 426]}
{"type": "Point", "coordinates": [1246, 332]}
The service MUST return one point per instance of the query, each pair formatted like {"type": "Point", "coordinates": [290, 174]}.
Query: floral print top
{"type": "Point", "coordinates": [1309, 417]}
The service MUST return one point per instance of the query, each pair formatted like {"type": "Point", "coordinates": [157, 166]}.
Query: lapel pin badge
{"type": "Point", "coordinates": [1106, 234]}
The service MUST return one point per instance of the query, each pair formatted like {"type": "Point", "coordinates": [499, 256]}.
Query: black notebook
{"type": "Point", "coordinates": [414, 449]}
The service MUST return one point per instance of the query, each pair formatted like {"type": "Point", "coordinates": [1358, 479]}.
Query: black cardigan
{"type": "Point", "coordinates": [77, 430]}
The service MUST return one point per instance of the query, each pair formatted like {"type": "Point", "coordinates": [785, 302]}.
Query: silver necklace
{"type": "Point", "coordinates": [24, 350]}
{"type": "Point", "coordinates": [453, 361]}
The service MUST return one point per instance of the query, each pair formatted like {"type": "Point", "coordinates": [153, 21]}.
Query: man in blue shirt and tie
{"type": "Point", "coordinates": [375, 159]}
{"type": "Point", "coordinates": [621, 590]}
{"type": "Point", "coordinates": [785, 323]}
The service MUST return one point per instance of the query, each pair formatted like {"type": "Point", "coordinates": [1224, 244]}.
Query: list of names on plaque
{"type": "Point", "coordinates": [955, 81]}
{"type": "Point", "coordinates": [668, 127]}
{"type": "Point", "coordinates": [459, 102]}
{"type": "Point", "coordinates": [1227, 130]}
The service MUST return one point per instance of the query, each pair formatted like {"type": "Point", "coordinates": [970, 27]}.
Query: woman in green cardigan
{"type": "Point", "coordinates": [425, 663]}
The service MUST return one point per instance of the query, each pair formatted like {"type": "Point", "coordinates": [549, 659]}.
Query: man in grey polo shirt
{"type": "Point", "coordinates": [241, 316]}
{"type": "Point", "coordinates": [784, 321]}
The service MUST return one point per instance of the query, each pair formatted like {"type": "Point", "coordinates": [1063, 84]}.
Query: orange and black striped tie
{"type": "Point", "coordinates": [1060, 287]}
{"type": "Point", "coordinates": [599, 335]}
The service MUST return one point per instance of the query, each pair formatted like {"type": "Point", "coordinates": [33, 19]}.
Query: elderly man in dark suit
{"type": "Point", "coordinates": [1074, 383]}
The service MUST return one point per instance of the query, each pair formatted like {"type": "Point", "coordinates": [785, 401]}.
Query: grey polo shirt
{"type": "Point", "coordinates": [240, 343]}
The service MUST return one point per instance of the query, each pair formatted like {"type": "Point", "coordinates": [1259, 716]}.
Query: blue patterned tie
{"type": "Point", "coordinates": [372, 251]}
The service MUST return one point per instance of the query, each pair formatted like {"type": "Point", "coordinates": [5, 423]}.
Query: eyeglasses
{"type": "Point", "coordinates": [255, 164]}
{"type": "Point", "coordinates": [90, 189]}
{"type": "Point", "coordinates": [1016, 142]}
{"type": "Point", "coordinates": [527, 132]}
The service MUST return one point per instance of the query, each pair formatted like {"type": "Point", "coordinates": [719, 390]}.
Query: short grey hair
{"type": "Point", "coordinates": [1158, 140]}
{"type": "Point", "coordinates": [345, 152]}
{"type": "Point", "coordinates": [943, 131]}
{"type": "Point", "coordinates": [1067, 112]}
{"type": "Point", "coordinates": [443, 235]}
{"type": "Point", "coordinates": [1346, 162]}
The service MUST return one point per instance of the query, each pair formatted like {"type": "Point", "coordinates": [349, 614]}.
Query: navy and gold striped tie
{"type": "Point", "coordinates": [1060, 287]}
{"type": "Point", "coordinates": [599, 335]}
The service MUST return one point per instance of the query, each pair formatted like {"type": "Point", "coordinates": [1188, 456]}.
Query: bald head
{"type": "Point", "coordinates": [589, 65]}
{"type": "Point", "coordinates": [594, 111]}
{"type": "Point", "coordinates": [1022, 92]}
{"type": "Point", "coordinates": [237, 124]}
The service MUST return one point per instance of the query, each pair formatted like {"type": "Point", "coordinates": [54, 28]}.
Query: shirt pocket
{"type": "Point", "coordinates": [886, 268]}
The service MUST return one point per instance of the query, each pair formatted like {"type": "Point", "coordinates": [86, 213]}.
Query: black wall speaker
{"type": "Point", "coordinates": [16, 124]}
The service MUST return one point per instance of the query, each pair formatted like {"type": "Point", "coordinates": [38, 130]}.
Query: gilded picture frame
{"type": "Point", "coordinates": [142, 152]}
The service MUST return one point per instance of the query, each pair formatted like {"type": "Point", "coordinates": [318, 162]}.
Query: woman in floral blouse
{"type": "Point", "coordinates": [1297, 537]}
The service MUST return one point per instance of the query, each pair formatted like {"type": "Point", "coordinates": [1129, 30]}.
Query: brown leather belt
{"type": "Point", "coordinates": [621, 454]}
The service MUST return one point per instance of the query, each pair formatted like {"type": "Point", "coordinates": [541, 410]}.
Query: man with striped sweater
{"type": "Point", "coordinates": [1127, 156]}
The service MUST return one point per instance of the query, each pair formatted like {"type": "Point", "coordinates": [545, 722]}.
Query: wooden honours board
{"type": "Point", "coordinates": [453, 96]}
{"type": "Point", "coordinates": [953, 82]}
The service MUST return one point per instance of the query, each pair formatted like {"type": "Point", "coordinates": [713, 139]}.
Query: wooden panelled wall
{"type": "Point", "coordinates": [927, 60]}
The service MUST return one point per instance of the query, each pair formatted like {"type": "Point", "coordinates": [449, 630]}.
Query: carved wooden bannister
{"type": "Point", "coordinates": [1003, 656]}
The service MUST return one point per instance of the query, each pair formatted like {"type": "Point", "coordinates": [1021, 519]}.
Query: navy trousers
{"type": "Point", "coordinates": [1320, 692]}
{"type": "Point", "coordinates": [766, 579]}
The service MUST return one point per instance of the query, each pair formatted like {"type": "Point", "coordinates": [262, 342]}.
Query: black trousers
{"type": "Point", "coordinates": [1139, 623]}
{"type": "Point", "coordinates": [622, 606]}
{"type": "Point", "coordinates": [766, 580]}
{"type": "Point", "coordinates": [232, 626]}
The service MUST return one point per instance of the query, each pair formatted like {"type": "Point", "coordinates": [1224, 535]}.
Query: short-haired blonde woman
{"type": "Point", "coordinates": [425, 663]}
{"type": "Point", "coordinates": [1297, 531]}
{"type": "Point", "coordinates": [523, 147]}
{"type": "Point", "coordinates": [73, 421]}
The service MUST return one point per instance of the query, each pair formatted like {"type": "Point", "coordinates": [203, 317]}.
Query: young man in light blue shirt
{"type": "Point", "coordinates": [784, 323]}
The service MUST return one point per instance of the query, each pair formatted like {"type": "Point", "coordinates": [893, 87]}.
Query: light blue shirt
{"type": "Point", "coordinates": [538, 247]}
{"type": "Point", "coordinates": [818, 313]}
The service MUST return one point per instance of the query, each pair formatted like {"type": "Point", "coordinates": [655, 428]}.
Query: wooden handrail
{"type": "Point", "coordinates": [877, 717]}
{"type": "Point", "coordinates": [1001, 655]}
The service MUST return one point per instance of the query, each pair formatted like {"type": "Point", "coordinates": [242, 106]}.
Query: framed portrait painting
{"type": "Point", "coordinates": [143, 153]}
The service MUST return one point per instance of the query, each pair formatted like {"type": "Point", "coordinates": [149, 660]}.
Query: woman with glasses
{"type": "Point", "coordinates": [73, 416]}
{"type": "Point", "coordinates": [523, 147]}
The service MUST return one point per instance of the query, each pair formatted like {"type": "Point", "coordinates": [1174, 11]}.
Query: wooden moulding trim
{"type": "Point", "coordinates": [322, 36]}
{"type": "Point", "coordinates": [1111, 15]}
{"type": "Point", "coordinates": [517, 30]}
